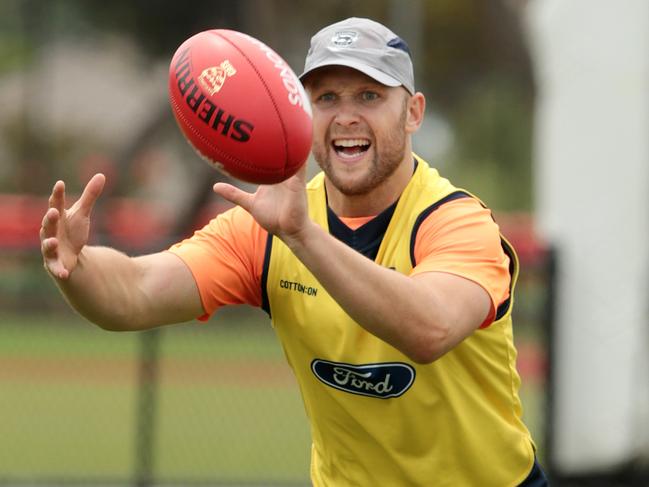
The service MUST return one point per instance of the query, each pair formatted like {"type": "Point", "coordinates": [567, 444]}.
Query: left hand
{"type": "Point", "coordinates": [281, 208]}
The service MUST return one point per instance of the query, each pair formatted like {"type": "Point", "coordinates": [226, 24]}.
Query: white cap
{"type": "Point", "coordinates": [364, 45]}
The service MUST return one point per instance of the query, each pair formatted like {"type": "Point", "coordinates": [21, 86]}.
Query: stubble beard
{"type": "Point", "coordinates": [385, 161]}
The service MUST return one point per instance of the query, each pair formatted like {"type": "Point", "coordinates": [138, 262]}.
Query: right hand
{"type": "Point", "coordinates": [64, 233]}
{"type": "Point", "coordinates": [281, 209]}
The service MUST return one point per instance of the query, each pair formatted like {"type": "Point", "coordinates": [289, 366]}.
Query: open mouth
{"type": "Point", "coordinates": [349, 148]}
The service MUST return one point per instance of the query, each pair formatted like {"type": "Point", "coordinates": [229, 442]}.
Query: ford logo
{"type": "Point", "coordinates": [375, 380]}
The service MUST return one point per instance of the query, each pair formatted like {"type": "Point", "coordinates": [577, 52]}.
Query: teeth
{"type": "Point", "coordinates": [351, 142]}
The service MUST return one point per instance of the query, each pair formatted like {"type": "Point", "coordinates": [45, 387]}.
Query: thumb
{"type": "Point", "coordinates": [234, 195]}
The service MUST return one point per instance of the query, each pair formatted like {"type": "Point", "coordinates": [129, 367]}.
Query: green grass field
{"type": "Point", "coordinates": [228, 408]}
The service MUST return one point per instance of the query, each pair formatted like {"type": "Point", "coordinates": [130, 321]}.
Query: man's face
{"type": "Point", "coordinates": [359, 128]}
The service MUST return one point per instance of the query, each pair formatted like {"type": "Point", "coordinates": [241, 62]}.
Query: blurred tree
{"type": "Point", "coordinates": [493, 132]}
{"type": "Point", "coordinates": [479, 76]}
{"type": "Point", "coordinates": [15, 48]}
{"type": "Point", "coordinates": [469, 40]}
{"type": "Point", "coordinates": [157, 27]}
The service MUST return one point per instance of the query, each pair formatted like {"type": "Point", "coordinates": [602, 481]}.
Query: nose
{"type": "Point", "coordinates": [347, 114]}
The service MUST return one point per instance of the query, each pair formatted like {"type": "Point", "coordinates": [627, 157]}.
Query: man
{"type": "Point", "coordinates": [390, 290]}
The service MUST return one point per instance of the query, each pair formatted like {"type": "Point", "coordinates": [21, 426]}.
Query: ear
{"type": "Point", "coordinates": [416, 108]}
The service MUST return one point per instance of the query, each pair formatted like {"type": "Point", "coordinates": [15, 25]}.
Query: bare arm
{"type": "Point", "coordinates": [124, 293]}
{"type": "Point", "coordinates": [107, 287]}
{"type": "Point", "coordinates": [423, 316]}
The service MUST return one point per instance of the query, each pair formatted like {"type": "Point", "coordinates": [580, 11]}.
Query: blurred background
{"type": "Point", "coordinates": [83, 89]}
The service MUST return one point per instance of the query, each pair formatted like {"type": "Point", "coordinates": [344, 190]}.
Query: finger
{"type": "Point", "coordinates": [53, 265]}
{"type": "Point", "coordinates": [234, 195]}
{"type": "Point", "coordinates": [57, 198]}
{"type": "Point", "coordinates": [50, 248]}
{"type": "Point", "coordinates": [50, 223]}
{"type": "Point", "coordinates": [91, 192]}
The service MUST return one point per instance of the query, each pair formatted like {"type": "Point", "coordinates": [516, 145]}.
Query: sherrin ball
{"type": "Point", "coordinates": [240, 106]}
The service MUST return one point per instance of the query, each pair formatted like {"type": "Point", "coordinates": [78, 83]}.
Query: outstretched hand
{"type": "Point", "coordinates": [281, 208]}
{"type": "Point", "coordinates": [63, 232]}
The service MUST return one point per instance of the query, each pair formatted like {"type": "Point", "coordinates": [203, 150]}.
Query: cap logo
{"type": "Point", "coordinates": [212, 79]}
{"type": "Point", "coordinates": [344, 38]}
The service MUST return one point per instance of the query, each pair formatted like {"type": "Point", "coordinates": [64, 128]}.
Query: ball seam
{"type": "Point", "coordinates": [270, 95]}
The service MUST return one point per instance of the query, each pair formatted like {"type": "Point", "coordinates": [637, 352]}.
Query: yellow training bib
{"type": "Point", "coordinates": [377, 418]}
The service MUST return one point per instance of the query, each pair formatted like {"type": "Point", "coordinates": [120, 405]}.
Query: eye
{"type": "Point", "coordinates": [369, 96]}
{"type": "Point", "coordinates": [326, 97]}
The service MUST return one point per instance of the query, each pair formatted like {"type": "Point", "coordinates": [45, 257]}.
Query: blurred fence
{"type": "Point", "coordinates": [203, 404]}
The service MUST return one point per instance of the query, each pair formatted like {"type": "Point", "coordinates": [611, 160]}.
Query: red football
{"type": "Point", "coordinates": [240, 105]}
